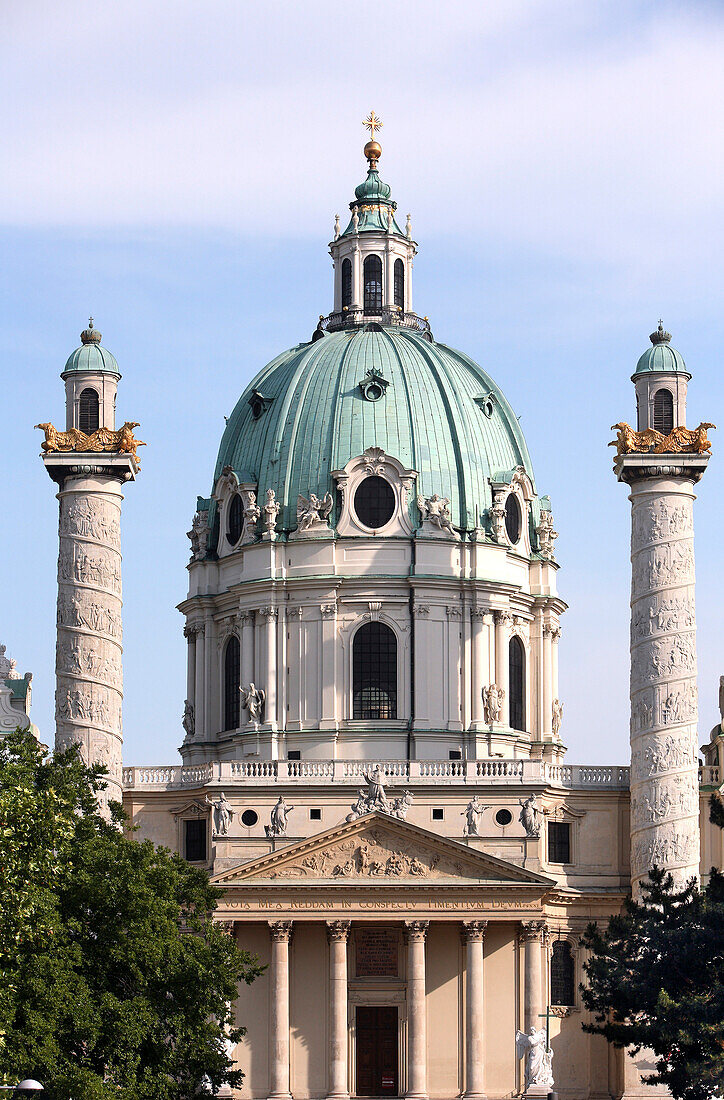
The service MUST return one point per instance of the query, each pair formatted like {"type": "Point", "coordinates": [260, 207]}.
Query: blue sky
{"type": "Point", "coordinates": [175, 170]}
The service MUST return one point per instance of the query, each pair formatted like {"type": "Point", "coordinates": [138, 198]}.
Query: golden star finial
{"type": "Point", "coordinates": [372, 123]}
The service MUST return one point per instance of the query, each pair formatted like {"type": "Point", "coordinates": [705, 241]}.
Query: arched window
{"type": "Point", "coordinates": [399, 284]}
{"type": "Point", "coordinates": [231, 683]}
{"type": "Point", "coordinates": [562, 974]}
{"type": "Point", "coordinates": [513, 521]}
{"type": "Point", "coordinates": [374, 677]}
{"type": "Point", "coordinates": [373, 284]}
{"type": "Point", "coordinates": [516, 683]}
{"type": "Point", "coordinates": [88, 411]}
{"type": "Point", "coordinates": [663, 411]}
{"type": "Point", "coordinates": [236, 520]}
{"type": "Point", "coordinates": [346, 283]}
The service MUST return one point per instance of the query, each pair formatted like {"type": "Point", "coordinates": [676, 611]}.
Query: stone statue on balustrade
{"type": "Point", "coordinates": [223, 814]}
{"type": "Point", "coordinates": [538, 1060]}
{"type": "Point", "coordinates": [530, 817]}
{"type": "Point", "coordinates": [252, 699]}
{"type": "Point", "coordinates": [374, 798]}
{"type": "Point", "coordinates": [472, 814]}
{"type": "Point", "coordinates": [493, 697]}
{"type": "Point", "coordinates": [279, 814]}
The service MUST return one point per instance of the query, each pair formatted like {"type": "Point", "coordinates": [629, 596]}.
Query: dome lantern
{"type": "Point", "coordinates": [373, 256]}
{"type": "Point", "coordinates": [91, 377]}
{"type": "Point", "coordinates": [661, 380]}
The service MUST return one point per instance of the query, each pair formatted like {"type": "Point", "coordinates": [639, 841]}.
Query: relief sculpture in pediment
{"type": "Point", "coordinates": [371, 856]}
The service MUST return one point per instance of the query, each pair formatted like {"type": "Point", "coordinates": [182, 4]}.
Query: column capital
{"type": "Point", "coordinates": [502, 618]}
{"type": "Point", "coordinates": [473, 931]}
{"type": "Point", "coordinates": [479, 613]}
{"type": "Point", "coordinates": [338, 930]}
{"type": "Point", "coordinates": [280, 930]}
{"type": "Point", "coordinates": [531, 930]}
{"type": "Point", "coordinates": [268, 612]}
{"type": "Point", "coordinates": [416, 929]}
{"type": "Point", "coordinates": [226, 927]}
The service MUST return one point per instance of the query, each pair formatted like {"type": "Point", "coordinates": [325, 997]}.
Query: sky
{"type": "Point", "coordinates": [175, 168]}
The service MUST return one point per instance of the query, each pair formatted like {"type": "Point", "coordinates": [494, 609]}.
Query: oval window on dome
{"type": "Point", "coordinates": [512, 518]}
{"type": "Point", "coordinates": [236, 520]}
{"type": "Point", "coordinates": [374, 502]}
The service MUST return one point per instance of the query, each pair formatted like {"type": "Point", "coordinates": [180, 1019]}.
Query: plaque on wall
{"type": "Point", "coordinates": [376, 953]}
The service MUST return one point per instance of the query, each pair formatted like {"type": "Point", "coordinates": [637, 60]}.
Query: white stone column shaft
{"type": "Point", "coordinates": [269, 615]}
{"type": "Point", "coordinates": [473, 936]}
{"type": "Point", "coordinates": [416, 1010]}
{"type": "Point", "coordinates": [531, 936]}
{"type": "Point", "coordinates": [547, 696]}
{"type": "Point", "coordinates": [88, 665]}
{"type": "Point", "coordinates": [280, 932]}
{"type": "Point", "coordinates": [328, 667]}
{"type": "Point", "coordinates": [200, 647]}
{"type": "Point", "coordinates": [480, 662]}
{"type": "Point", "coordinates": [664, 713]}
{"type": "Point", "coordinates": [247, 658]}
{"type": "Point", "coordinates": [190, 636]}
{"type": "Point", "coordinates": [338, 935]}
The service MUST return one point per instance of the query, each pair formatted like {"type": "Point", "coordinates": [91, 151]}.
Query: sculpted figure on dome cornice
{"type": "Point", "coordinates": [271, 510]}
{"type": "Point", "coordinates": [313, 513]}
{"type": "Point", "coordinates": [252, 699]}
{"type": "Point", "coordinates": [493, 697]}
{"type": "Point", "coordinates": [546, 534]}
{"type": "Point", "coordinates": [199, 535]}
{"type": "Point", "coordinates": [252, 515]}
{"type": "Point", "coordinates": [188, 721]}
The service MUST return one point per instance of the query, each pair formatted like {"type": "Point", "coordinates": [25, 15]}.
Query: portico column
{"type": "Point", "coordinates": [502, 677]}
{"type": "Point", "coordinates": [531, 936]}
{"type": "Point", "coordinates": [473, 936]}
{"type": "Point", "coordinates": [416, 1010]}
{"type": "Point", "coordinates": [337, 934]}
{"type": "Point", "coordinates": [280, 932]}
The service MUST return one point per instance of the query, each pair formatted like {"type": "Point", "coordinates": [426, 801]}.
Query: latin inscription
{"type": "Point", "coordinates": [376, 953]}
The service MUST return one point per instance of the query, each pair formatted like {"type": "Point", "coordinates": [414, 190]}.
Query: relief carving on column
{"type": "Point", "coordinates": [75, 655]}
{"type": "Point", "coordinates": [473, 931]}
{"type": "Point", "coordinates": [99, 521]}
{"type": "Point", "coordinates": [416, 929]}
{"type": "Point", "coordinates": [338, 930]}
{"type": "Point", "coordinates": [100, 569]}
{"type": "Point", "coordinates": [87, 610]}
{"type": "Point", "coordinates": [280, 930]}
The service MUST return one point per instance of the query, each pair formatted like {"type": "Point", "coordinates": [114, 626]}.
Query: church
{"type": "Point", "coordinates": [373, 761]}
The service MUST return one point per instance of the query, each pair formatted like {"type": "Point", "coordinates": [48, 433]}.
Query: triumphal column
{"type": "Point", "coordinates": [90, 462]}
{"type": "Point", "coordinates": [661, 462]}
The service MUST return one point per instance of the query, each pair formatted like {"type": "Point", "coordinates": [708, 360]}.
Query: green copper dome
{"type": "Point", "coordinates": [320, 404]}
{"type": "Point", "coordinates": [90, 356]}
{"type": "Point", "coordinates": [660, 357]}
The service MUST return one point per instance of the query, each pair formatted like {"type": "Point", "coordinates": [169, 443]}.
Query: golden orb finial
{"type": "Point", "coordinates": [373, 149]}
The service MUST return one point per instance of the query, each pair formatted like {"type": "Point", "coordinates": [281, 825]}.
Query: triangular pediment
{"type": "Point", "coordinates": [378, 849]}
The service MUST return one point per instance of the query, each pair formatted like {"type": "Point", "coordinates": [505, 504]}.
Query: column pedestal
{"type": "Point", "coordinates": [280, 932]}
{"type": "Point", "coordinates": [416, 1011]}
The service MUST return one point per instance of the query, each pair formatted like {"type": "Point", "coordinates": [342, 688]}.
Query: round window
{"type": "Point", "coordinates": [504, 817]}
{"type": "Point", "coordinates": [236, 520]}
{"type": "Point", "coordinates": [249, 818]}
{"type": "Point", "coordinates": [512, 517]}
{"type": "Point", "coordinates": [374, 502]}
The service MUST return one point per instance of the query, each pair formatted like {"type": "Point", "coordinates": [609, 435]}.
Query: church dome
{"type": "Point", "coordinates": [321, 404]}
{"type": "Point", "coordinates": [91, 356]}
{"type": "Point", "coordinates": [661, 356]}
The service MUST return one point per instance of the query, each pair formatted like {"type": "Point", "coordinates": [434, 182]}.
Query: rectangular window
{"type": "Point", "coordinates": [315, 815]}
{"type": "Point", "coordinates": [559, 842]}
{"type": "Point", "coordinates": [455, 754]}
{"type": "Point", "coordinates": [294, 754]}
{"type": "Point", "coordinates": [438, 814]}
{"type": "Point", "coordinates": [195, 839]}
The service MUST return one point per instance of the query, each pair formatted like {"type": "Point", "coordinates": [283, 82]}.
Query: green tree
{"type": "Point", "coordinates": [655, 979]}
{"type": "Point", "coordinates": [115, 981]}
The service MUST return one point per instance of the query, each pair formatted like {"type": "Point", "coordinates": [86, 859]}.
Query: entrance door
{"type": "Point", "coordinates": [377, 1051]}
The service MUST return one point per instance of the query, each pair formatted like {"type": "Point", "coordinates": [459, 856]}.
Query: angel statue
{"type": "Point", "coordinates": [271, 510]}
{"type": "Point", "coordinates": [493, 697]}
{"type": "Point", "coordinates": [538, 1057]}
{"type": "Point", "coordinates": [278, 819]}
{"type": "Point", "coordinates": [313, 512]}
{"type": "Point", "coordinates": [253, 701]}
{"type": "Point", "coordinates": [529, 816]}
{"type": "Point", "coordinates": [436, 510]}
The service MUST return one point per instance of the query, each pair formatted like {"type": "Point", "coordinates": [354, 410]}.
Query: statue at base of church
{"type": "Point", "coordinates": [533, 1047]}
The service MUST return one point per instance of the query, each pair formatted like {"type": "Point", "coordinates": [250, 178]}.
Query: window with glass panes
{"type": "Point", "coordinates": [374, 678]}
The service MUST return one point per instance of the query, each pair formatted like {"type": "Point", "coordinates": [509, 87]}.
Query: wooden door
{"type": "Point", "coordinates": [377, 1070]}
